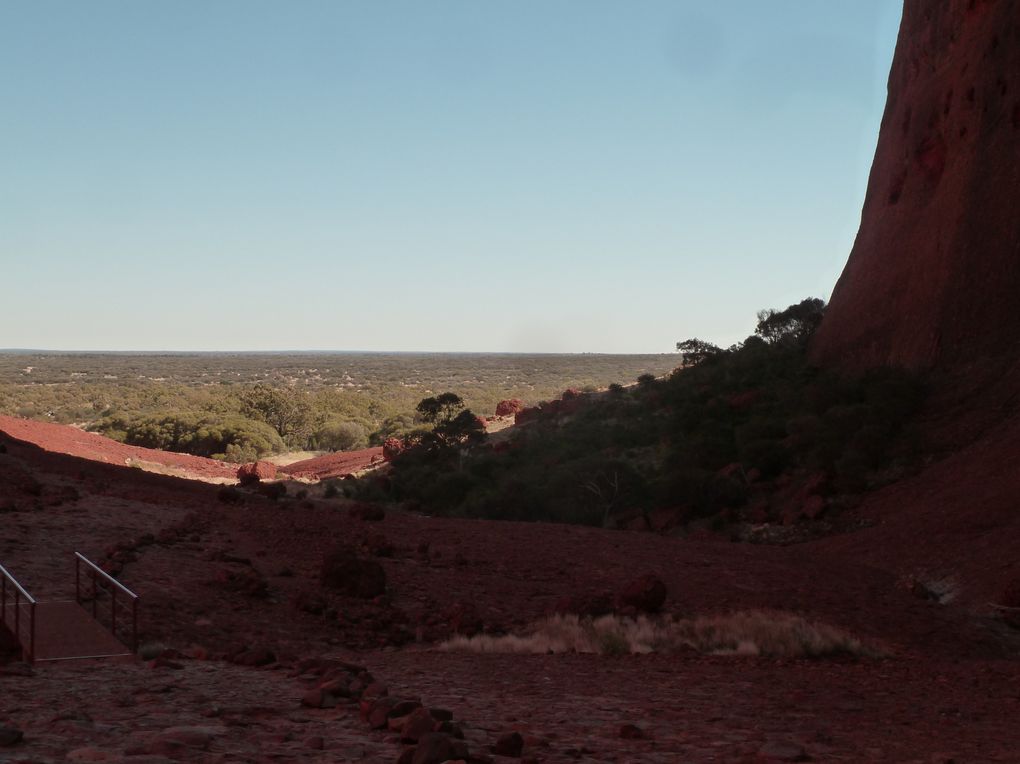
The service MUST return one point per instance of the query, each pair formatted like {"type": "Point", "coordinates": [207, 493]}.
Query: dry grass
{"type": "Point", "coordinates": [753, 632]}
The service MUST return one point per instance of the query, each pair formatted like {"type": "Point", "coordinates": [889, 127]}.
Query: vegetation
{"type": "Point", "coordinates": [754, 632]}
{"type": "Point", "coordinates": [244, 406]}
{"type": "Point", "coordinates": [729, 432]}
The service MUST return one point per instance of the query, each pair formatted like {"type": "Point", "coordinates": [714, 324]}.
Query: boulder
{"type": "Point", "coordinates": [418, 724]}
{"type": "Point", "coordinates": [645, 594]}
{"type": "Point", "coordinates": [344, 571]}
{"type": "Point", "coordinates": [255, 472]}
{"type": "Point", "coordinates": [509, 744]}
{"type": "Point", "coordinates": [436, 748]}
{"type": "Point", "coordinates": [391, 448]}
{"type": "Point", "coordinates": [509, 407]}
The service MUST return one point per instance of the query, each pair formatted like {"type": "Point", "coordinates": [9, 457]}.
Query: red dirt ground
{"type": "Point", "coordinates": [62, 439]}
{"type": "Point", "coordinates": [334, 465]}
{"type": "Point", "coordinates": [950, 690]}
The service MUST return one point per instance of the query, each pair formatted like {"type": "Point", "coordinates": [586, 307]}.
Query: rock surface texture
{"type": "Point", "coordinates": [935, 272]}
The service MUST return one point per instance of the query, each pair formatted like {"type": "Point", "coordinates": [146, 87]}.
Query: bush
{"type": "Point", "coordinates": [231, 437]}
{"type": "Point", "coordinates": [339, 436]}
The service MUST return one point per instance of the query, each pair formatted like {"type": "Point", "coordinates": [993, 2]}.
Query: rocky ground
{"type": "Point", "coordinates": [232, 589]}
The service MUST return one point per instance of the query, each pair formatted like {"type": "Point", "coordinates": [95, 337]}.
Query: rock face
{"type": "Point", "coordinates": [935, 272]}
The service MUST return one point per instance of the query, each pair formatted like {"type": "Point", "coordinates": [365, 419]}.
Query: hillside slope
{"type": "Point", "coordinates": [63, 439]}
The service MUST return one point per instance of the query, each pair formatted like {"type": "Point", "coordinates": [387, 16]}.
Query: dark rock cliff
{"type": "Point", "coordinates": [934, 275]}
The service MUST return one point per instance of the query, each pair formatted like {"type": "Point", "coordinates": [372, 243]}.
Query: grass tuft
{"type": "Point", "coordinates": [754, 632]}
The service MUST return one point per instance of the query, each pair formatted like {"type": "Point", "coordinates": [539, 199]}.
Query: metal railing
{"type": "Point", "coordinates": [19, 599]}
{"type": "Point", "coordinates": [103, 583]}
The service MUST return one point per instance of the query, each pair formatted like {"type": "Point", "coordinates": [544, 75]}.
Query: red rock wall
{"type": "Point", "coordinates": [935, 272]}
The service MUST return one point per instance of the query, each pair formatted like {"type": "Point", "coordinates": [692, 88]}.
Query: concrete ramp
{"type": "Point", "coordinates": [61, 630]}
{"type": "Point", "coordinates": [65, 630]}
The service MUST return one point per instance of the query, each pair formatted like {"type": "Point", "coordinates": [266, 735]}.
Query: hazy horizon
{"type": "Point", "coordinates": [528, 177]}
{"type": "Point", "coordinates": [302, 351]}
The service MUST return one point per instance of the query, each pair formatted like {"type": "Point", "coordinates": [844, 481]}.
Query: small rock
{"type": "Point", "coordinates": [436, 748]}
{"type": "Point", "coordinates": [419, 724]}
{"type": "Point", "coordinates": [10, 736]}
{"type": "Point", "coordinates": [509, 744]}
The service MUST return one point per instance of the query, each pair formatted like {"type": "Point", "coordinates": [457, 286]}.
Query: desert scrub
{"type": "Point", "coordinates": [767, 633]}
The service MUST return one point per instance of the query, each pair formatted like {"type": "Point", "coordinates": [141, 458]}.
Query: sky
{"type": "Point", "coordinates": [452, 175]}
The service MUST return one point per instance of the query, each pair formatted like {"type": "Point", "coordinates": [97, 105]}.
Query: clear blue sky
{"type": "Point", "coordinates": [521, 175]}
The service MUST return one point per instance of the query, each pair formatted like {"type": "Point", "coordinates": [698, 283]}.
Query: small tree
{"type": "Point", "coordinates": [440, 409]}
{"type": "Point", "coordinates": [286, 410]}
{"type": "Point", "coordinates": [695, 351]}
{"type": "Point", "coordinates": [793, 325]}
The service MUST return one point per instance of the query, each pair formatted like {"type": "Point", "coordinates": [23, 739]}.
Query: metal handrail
{"type": "Point", "coordinates": [107, 579]}
{"type": "Point", "coordinates": [7, 574]}
{"type": "Point", "coordinates": [28, 650]}
{"type": "Point", "coordinates": [105, 575]}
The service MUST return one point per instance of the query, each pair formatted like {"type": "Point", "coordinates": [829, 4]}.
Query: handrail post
{"type": "Point", "coordinates": [3, 600]}
{"type": "Point", "coordinates": [31, 640]}
{"type": "Point", "coordinates": [77, 580]}
{"type": "Point", "coordinates": [113, 610]}
{"type": "Point", "coordinates": [134, 625]}
{"type": "Point", "coordinates": [95, 600]}
{"type": "Point", "coordinates": [17, 614]}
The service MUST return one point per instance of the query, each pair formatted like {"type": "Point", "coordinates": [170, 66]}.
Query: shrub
{"type": "Point", "coordinates": [339, 436]}
{"type": "Point", "coordinates": [231, 437]}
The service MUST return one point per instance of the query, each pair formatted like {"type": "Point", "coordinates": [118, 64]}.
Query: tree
{"type": "Point", "coordinates": [694, 351]}
{"type": "Point", "coordinates": [793, 325]}
{"type": "Point", "coordinates": [286, 410]}
{"type": "Point", "coordinates": [440, 409]}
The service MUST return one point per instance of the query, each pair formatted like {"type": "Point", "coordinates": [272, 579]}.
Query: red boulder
{"type": "Point", "coordinates": [255, 472]}
{"type": "Point", "coordinates": [508, 407]}
{"type": "Point", "coordinates": [646, 594]}
{"type": "Point", "coordinates": [391, 448]}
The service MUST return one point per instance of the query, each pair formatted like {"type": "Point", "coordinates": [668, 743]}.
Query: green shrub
{"type": "Point", "coordinates": [339, 436]}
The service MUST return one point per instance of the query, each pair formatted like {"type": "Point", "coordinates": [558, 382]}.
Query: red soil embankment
{"type": "Point", "coordinates": [336, 465]}
{"type": "Point", "coordinates": [63, 439]}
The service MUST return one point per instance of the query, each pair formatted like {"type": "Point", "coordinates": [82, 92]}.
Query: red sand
{"type": "Point", "coordinates": [334, 465]}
